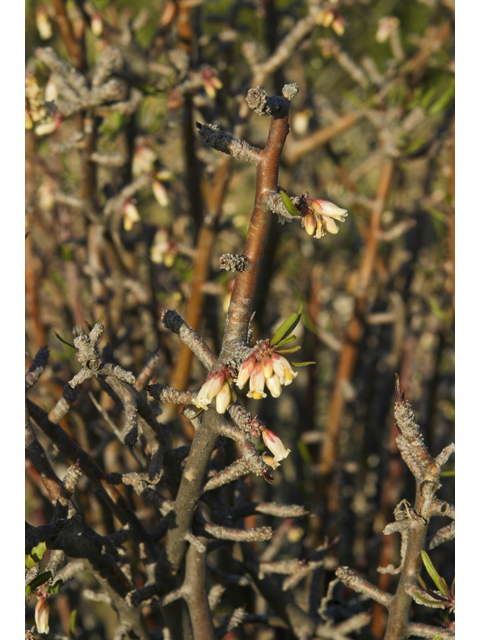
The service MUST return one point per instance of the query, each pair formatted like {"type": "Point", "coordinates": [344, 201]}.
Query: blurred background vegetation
{"type": "Point", "coordinates": [372, 129]}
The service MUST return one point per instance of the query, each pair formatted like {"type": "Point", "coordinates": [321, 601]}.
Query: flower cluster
{"type": "Point", "coordinates": [265, 367]}
{"type": "Point", "coordinates": [217, 385]}
{"type": "Point", "coordinates": [319, 216]}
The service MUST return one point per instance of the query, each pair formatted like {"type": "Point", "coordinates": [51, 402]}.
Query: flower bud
{"type": "Point", "coordinates": [42, 612]}
{"type": "Point", "coordinates": [225, 397]}
{"type": "Point", "coordinates": [245, 371]}
{"type": "Point", "coordinates": [310, 223]}
{"type": "Point", "coordinates": [267, 367]}
{"type": "Point", "coordinates": [276, 446]}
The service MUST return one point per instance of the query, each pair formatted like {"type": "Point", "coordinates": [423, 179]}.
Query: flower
{"type": "Point", "coordinates": [43, 23]}
{"type": "Point", "coordinates": [42, 612]}
{"type": "Point", "coordinates": [163, 249]}
{"type": "Point", "coordinates": [216, 385]}
{"type": "Point", "coordinates": [265, 367]}
{"type": "Point", "coordinates": [131, 215]}
{"type": "Point", "coordinates": [283, 369]}
{"type": "Point", "coordinates": [320, 216]}
{"type": "Point", "coordinates": [160, 193]}
{"type": "Point", "coordinates": [276, 446]}
{"type": "Point", "coordinates": [257, 383]}
{"type": "Point", "coordinates": [225, 397]}
{"type": "Point", "coordinates": [245, 371]}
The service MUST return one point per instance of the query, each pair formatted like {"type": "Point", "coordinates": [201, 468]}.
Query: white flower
{"type": "Point", "coordinates": [283, 369]}
{"type": "Point", "coordinates": [274, 385]}
{"type": "Point", "coordinates": [276, 446]}
{"type": "Point", "coordinates": [42, 612]}
{"type": "Point", "coordinates": [257, 383]}
{"type": "Point", "coordinates": [325, 214]}
{"type": "Point", "coordinates": [130, 215]}
{"type": "Point", "coordinates": [211, 387]}
{"type": "Point", "coordinates": [225, 397]}
{"type": "Point", "coordinates": [160, 193]}
{"type": "Point", "coordinates": [43, 23]}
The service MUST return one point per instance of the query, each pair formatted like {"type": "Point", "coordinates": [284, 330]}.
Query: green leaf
{"type": "Point", "coordinates": [55, 588]}
{"type": "Point", "coordinates": [422, 581]}
{"type": "Point", "coordinates": [286, 341]}
{"type": "Point", "coordinates": [302, 364]}
{"type": "Point", "coordinates": [448, 474]}
{"type": "Point", "coordinates": [286, 328]}
{"type": "Point", "coordinates": [290, 350]}
{"type": "Point", "coordinates": [37, 582]}
{"type": "Point", "coordinates": [288, 204]}
{"type": "Point", "coordinates": [432, 572]}
{"type": "Point", "coordinates": [437, 637]}
{"type": "Point", "coordinates": [102, 315]}
{"type": "Point", "coordinates": [38, 551]}
{"type": "Point", "coordinates": [71, 624]}
{"type": "Point", "coordinates": [36, 555]}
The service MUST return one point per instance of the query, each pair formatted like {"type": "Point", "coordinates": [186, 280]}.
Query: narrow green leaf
{"type": "Point", "coordinates": [286, 341]}
{"type": "Point", "coordinates": [302, 364]}
{"type": "Point", "coordinates": [71, 624]}
{"type": "Point", "coordinates": [432, 572]}
{"type": "Point", "coordinates": [29, 562]}
{"type": "Point", "coordinates": [37, 582]}
{"type": "Point", "coordinates": [437, 637]}
{"type": "Point", "coordinates": [448, 474]}
{"type": "Point", "coordinates": [286, 328]}
{"type": "Point", "coordinates": [444, 588]}
{"type": "Point", "coordinates": [102, 315]}
{"type": "Point", "coordinates": [288, 204]}
{"type": "Point", "coordinates": [290, 350]}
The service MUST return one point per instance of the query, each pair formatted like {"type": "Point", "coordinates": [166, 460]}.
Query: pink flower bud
{"type": "Point", "coordinates": [276, 446]}
{"type": "Point", "coordinates": [267, 367]}
{"type": "Point", "coordinates": [245, 371]}
{"type": "Point", "coordinates": [310, 223]}
{"type": "Point", "coordinates": [42, 612]}
{"type": "Point", "coordinates": [96, 23]}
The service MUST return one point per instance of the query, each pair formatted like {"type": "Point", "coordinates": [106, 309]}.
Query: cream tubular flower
{"type": "Point", "coordinates": [225, 397]}
{"type": "Point", "coordinates": [326, 213]}
{"type": "Point", "coordinates": [267, 366]}
{"type": "Point", "coordinates": [274, 385]}
{"type": "Point", "coordinates": [211, 388]}
{"type": "Point", "coordinates": [257, 383]}
{"type": "Point", "coordinates": [42, 612]}
{"type": "Point", "coordinates": [283, 369]}
{"type": "Point", "coordinates": [245, 371]}
{"type": "Point", "coordinates": [276, 446]}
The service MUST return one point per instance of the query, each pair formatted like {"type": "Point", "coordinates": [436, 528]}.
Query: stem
{"type": "Point", "coordinates": [241, 304]}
